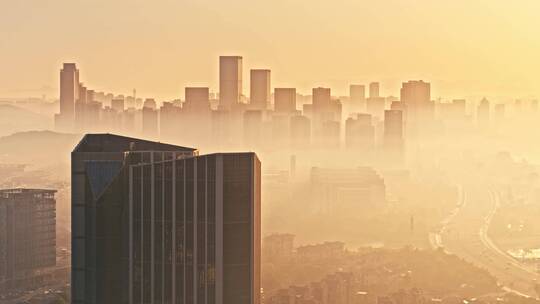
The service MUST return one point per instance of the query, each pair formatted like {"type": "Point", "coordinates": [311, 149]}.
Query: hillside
{"type": "Point", "coordinates": [37, 148]}
{"type": "Point", "coordinates": [15, 119]}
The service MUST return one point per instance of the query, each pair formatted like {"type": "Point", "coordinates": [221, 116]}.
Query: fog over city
{"type": "Point", "coordinates": [229, 160]}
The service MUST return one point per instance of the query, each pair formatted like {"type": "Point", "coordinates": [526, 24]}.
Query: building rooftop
{"type": "Point", "coordinates": [18, 193]}
{"type": "Point", "coordinates": [116, 143]}
{"type": "Point", "coordinates": [27, 190]}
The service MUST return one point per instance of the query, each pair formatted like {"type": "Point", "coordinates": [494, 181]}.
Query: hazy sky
{"type": "Point", "coordinates": [463, 47]}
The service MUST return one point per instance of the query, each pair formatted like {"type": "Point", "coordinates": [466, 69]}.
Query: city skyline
{"type": "Point", "coordinates": [489, 47]}
{"type": "Point", "coordinates": [279, 152]}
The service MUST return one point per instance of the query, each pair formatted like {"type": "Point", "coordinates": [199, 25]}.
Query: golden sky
{"type": "Point", "coordinates": [464, 47]}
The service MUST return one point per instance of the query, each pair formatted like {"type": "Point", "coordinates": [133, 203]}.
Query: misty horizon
{"type": "Point", "coordinates": [282, 152]}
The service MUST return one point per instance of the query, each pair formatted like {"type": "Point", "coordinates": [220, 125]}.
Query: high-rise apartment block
{"type": "Point", "coordinates": [259, 89]}
{"type": "Point", "coordinates": [230, 81]}
{"type": "Point", "coordinates": [27, 235]}
{"type": "Point", "coordinates": [357, 93]}
{"type": "Point", "coordinates": [285, 100]}
{"type": "Point", "coordinates": [374, 90]}
{"type": "Point", "coordinates": [417, 97]}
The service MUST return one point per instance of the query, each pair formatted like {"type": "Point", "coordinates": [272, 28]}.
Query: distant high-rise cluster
{"type": "Point", "coordinates": [268, 118]}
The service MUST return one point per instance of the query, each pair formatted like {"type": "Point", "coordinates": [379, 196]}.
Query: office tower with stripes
{"type": "Point", "coordinates": [161, 224]}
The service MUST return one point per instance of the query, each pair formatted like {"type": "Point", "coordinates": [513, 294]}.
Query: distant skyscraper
{"type": "Point", "coordinates": [300, 128]}
{"type": "Point", "coordinates": [280, 130]}
{"type": "Point", "coordinates": [259, 89]}
{"type": "Point", "coordinates": [196, 111]}
{"type": "Point", "coordinates": [80, 109]}
{"type": "Point", "coordinates": [321, 98]}
{"type": "Point", "coordinates": [360, 132]}
{"type": "Point", "coordinates": [393, 126]}
{"type": "Point", "coordinates": [415, 92]}
{"type": "Point", "coordinates": [375, 106]}
{"type": "Point", "coordinates": [27, 235]}
{"type": "Point", "coordinates": [374, 90]}
{"type": "Point", "coordinates": [393, 134]}
{"type": "Point", "coordinates": [197, 96]}
{"type": "Point", "coordinates": [117, 104]}
{"type": "Point", "coordinates": [285, 100]}
{"type": "Point", "coordinates": [357, 93]}
{"type": "Point", "coordinates": [253, 128]}
{"type": "Point", "coordinates": [156, 223]}
{"type": "Point", "coordinates": [483, 112]}
{"type": "Point", "coordinates": [128, 121]}
{"type": "Point", "coordinates": [150, 103]}
{"type": "Point", "coordinates": [82, 94]}
{"type": "Point", "coordinates": [230, 80]}
{"type": "Point", "coordinates": [417, 96]}
{"type": "Point", "coordinates": [331, 134]}
{"type": "Point", "coordinates": [150, 126]}
{"type": "Point", "coordinates": [90, 94]}
{"type": "Point", "coordinates": [324, 108]}
{"type": "Point", "coordinates": [169, 117]}
{"type": "Point", "coordinates": [69, 94]}
{"type": "Point", "coordinates": [398, 105]}
{"type": "Point", "coordinates": [420, 109]}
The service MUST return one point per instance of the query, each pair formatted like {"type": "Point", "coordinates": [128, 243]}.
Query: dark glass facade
{"type": "Point", "coordinates": [195, 225]}
{"type": "Point", "coordinates": [174, 227]}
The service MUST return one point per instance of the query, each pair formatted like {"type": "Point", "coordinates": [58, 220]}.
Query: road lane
{"type": "Point", "coordinates": [465, 233]}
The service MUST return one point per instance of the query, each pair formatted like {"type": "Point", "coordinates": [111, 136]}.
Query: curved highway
{"type": "Point", "coordinates": [465, 233]}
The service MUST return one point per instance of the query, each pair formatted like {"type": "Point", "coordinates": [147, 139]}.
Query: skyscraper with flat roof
{"type": "Point", "coordinates": [197, 99]}
{"type": "Point", "coordinates": [259, 89]}
{"type": "Point", "coordinates": [417, 96]}
{"type": "Point", "coordinates": [150, 119]}
{"type": "Point", "coordinates": [118, 104]}
{"type": "Point", "coordinates": [69, 94]}
{"type": "Point", "coordinates": [360, 132]}
{"type": "Point", "coordinates": [393, 135]}
{"type": "Point", "coordinates": [357, 93]}
{"type": "Point", "coordinates": [321, 98]}
{"type": "Point", "coordinates": [196, 111]}
{"type": "Point", "coordinates": [285, 100]}
{"type": "Point", "coordinates": [230, 81]}
{"type": "Point", "coordinates": [374, 90]}
{"type": "Point", "coordinates": [324, 107]}
{"type": "Point", "coordinates": [27, 235]}
{"type": "Point", "coordinates": [157, 223]}
{"type": "Point", "coordinates": [300, 132]}
{"type": "Point", "coordinates": [169, 117]}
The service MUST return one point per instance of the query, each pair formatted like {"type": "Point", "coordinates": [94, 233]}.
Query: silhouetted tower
{"type": "Point", "coordinates": [374, 90]}
{"type": "Point", "coordinates": [69, 94]}
{"type": "Point", "coordinates": [259, 89]}
{"type": "Point", "coordinates": [230, 81]}
{"type": "Point", "coordinates": [483, 112]}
